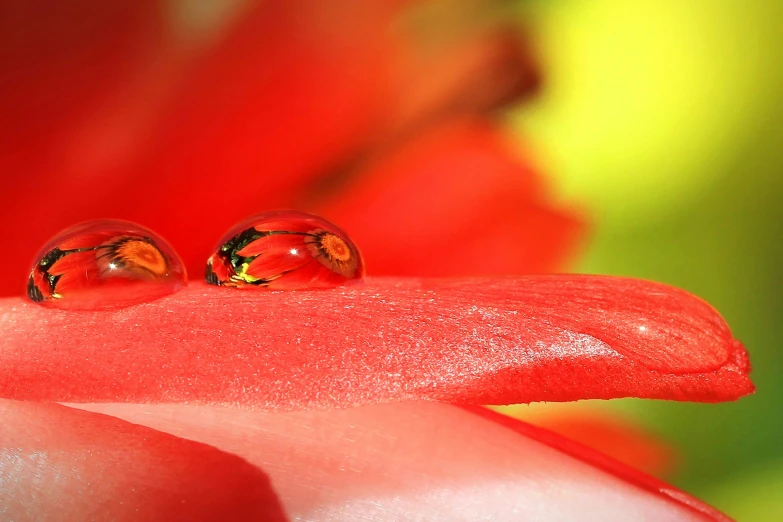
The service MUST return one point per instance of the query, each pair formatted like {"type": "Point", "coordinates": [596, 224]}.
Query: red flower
{"type": "Point", "coordinates": [315, 405]}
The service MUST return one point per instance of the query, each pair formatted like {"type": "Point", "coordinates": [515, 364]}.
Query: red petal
{"type": "Point", "coordinates": [79, 83]}
{"type": "Point", "coordinates": [64, 64]}
{"type": "Point", "coordinates": [57, 463]}
{"type": "Point", "coordinates": [457, 202]}
{"type": "Point", "coordinates": [486, 341]}
{"type": "Point", "coordinates": [388, 462]}
{"type": "Point", "coordinates": [281, 99]}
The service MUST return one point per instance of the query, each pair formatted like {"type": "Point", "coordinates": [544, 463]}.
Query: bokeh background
{"type": "Point", "coordinates": [666, 119]}
{"type": "Point", "coordinates": [658, 122]}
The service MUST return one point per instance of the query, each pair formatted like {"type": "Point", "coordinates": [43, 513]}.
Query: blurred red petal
{"type": "Point", "coordinates": [82, 83]}
{"type": "Point", "coordinates": [486, 341]}
{"type": "Point", "coordinates": [420, 461]}
{"type": "Point", "coordinates": [284, 96]}
{"type": "Point", "coordinates": [456, 202]}
{"type": "Point", "coordinates": [63, 63]}
{"type": "Point", "coordinates": [57, 463]}
{"type": "Point", "coordinates": [452, 57]}
{"type": "Point", "coordinates": [616, 437]}
{"type": "Point", "coordinates": [115, 116]}
{"type": "Point", "coordinates": [279, 99]}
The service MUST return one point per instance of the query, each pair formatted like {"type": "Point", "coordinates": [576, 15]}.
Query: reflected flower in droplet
{"type": "Point", "coordinates": [104, 264]}
{"type": "Point", "coordinates": [285, 250]}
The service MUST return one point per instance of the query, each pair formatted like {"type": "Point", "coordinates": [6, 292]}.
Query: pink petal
{"type": "Point", "coordinates": [416, 461]}
{"type": "Point", "coordinates": [63, 465]}
{"type": "Point", "coordinates": [484, 341]}
{"type": "Point", "coordinates": [597, 459]}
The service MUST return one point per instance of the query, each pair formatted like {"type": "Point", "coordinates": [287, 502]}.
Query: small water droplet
{"type": "Point", "coordinates": [285, 250]}
{"type": "Point", "coordinates": [104, 264]}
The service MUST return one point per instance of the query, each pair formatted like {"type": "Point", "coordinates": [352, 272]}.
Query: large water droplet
{"type": "Point", "coordinates": [104, 264]}
{"type": "Point", "coordinates": [285, 250]}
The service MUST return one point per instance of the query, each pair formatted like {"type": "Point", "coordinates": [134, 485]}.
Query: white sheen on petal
{"type": "Point", "coordinates": [408, 462]}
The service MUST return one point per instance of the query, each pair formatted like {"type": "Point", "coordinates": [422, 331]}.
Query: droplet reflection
{"type": "Point", "coordinates": [285, 250]}
{"type": "Point", "coordinates": [104, 264]}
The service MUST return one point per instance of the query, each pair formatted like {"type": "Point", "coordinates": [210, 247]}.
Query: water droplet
{"type": "Point", "coordinates": [104, 264]}
{"type": "Point", "coordinates": [285, 250]}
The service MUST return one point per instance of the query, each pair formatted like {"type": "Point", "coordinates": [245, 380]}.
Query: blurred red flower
{"type": "Point", "coordinates": [119, 111]}
{"type": "Point", "coordinates": [116, 113]}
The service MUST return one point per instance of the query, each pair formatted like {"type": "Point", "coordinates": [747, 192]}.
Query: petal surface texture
{"type": "Point", "coordinates": [418, 461]}
{"type": "Point", "coordinates": [483, 341]}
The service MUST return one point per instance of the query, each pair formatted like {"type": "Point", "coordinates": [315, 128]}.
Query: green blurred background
{"type": "Point", "coordinates": [664, 120]}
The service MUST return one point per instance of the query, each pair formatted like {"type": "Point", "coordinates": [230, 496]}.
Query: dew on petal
{"type": "Point", "coordinates": [104, 264]}
{"type": "Point", "coordinates": [285, 250]}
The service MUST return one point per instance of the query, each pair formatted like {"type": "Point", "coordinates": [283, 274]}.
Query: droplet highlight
{"type": "Point", "coordinates": [104, 264]}
{"type": "Point", "coordinates": [285, 250]}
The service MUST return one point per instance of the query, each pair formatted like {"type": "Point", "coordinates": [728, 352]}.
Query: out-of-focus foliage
{"type": "Point", "coordinates": [666, 120]}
